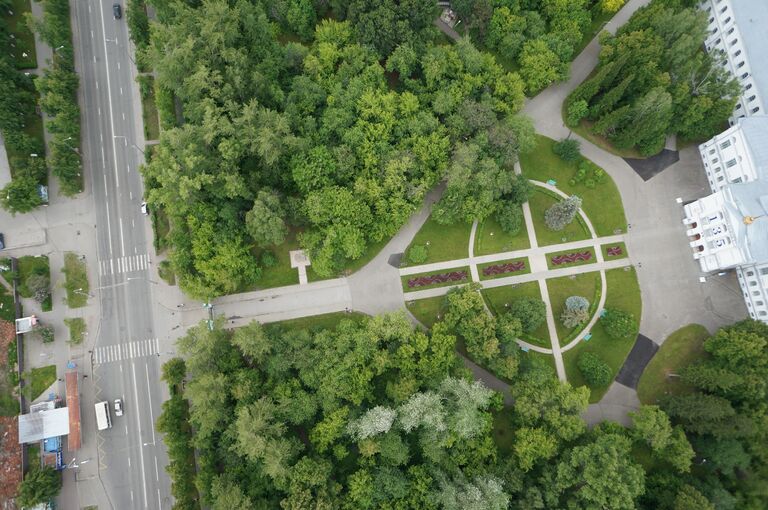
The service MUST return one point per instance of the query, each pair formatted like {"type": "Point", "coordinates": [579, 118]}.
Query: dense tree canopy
{"type": "Point", "coordinates": [655, 79]}
{"type": "Point", "coordinates": [318, 138]}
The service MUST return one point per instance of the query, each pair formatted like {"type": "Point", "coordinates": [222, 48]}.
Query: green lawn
{"type": "Point", "coordinates": [586, 285]}
{"type": "Point", "coordinates": [541, 201]}
{"type": "Point", "coordinates": [281, 273]}
{"type": "Point", "coordinates": [29, 265]}
{"type": "Point", "coordinates": [165, 271]}
{"type": "Point", "coordinates": [316, 322]}
{"type": "Point", "coordinates": [427, 310]}
{"type": "Point", "coordinates": [624, 252]}
{"type": "Point", "coordinates": [76, 330]}
{"type": "Point", "coordinates": [24, 40]}
{"type": "Point", "coordinates": [76, 281]}
{"type": "Point", "coordinates": [680, 349]}
{"type": "Point", "coordinates": [7, 311]}
{"type": "Point", "coordinates": [624, 294]}
{"type": "Point", "coordinates": [149, 108]}
{"type": "Point", "coordinates": [591, 260]}
{"type": "Point", "coordinates": [33, 127]}
{"type": "Point", "coordinates": [40, 379]}
{"type": "Point", "coordinates": [444, 242]}
{"type": "Point", "coordinates": [499, 297]}
{"type": "Point", "coordinates": [490, 238]}
{"type": "Point", "coordinates": [525, 270]}
{"type": "Point", "coordinates": [404, 279]}
{"type": "Point", "coordinates": [602, 204]}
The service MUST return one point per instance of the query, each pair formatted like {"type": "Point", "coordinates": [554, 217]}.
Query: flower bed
{"type": "Point", "coordinates": [511, 267]}
{"type": "Point", "coordinates": [422, 281]}
{"type": "Point", "coordinates": [570, 258]}
{"type": "Point", "coordinates": [614, 251]}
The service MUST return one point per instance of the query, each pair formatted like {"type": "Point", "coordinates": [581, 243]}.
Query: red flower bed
{"type": "Point", "coordinates": [511, 267]}
{"type": "Point", "coordinates": [421, 281]}
{"type": "Point", "coordinates": [614, 251]}
{"type": "Point", "coordinates": [571, 257]}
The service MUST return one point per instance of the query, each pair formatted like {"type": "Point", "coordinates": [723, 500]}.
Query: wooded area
{"type": "Point", "coordinates": [375, 414]}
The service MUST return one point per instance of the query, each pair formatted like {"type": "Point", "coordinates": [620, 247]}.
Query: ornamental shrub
{"type": "Point", "coordinates": [594, 370]}
{"type": "Point", "coordinates": [418, 254]}
{"type": "Point", "coordinates": [572, 318]}
{"type": "Point", "coordinates": [562, 213]}
{"type": "Point", "coordinates": [576, 303]}
{"type": "Point", "coordinates": [619, 324]}
{"type": "Point", "coordinates": [568, 150]}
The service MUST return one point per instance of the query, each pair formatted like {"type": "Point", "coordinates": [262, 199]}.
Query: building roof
{"type": "Point", "coordinates": [750, 199]}
{"type": "Point", "coordinates": [73, 404]}
{"type": "Point", "coordinates": [35, 427]}
{"type": "Point", "coordinates": [751, 16]}
{"type": "Point", "coordinates": [755, 131]}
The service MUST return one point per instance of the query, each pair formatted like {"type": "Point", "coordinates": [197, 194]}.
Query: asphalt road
{"type": "Point", "coordinates": [126, 362]}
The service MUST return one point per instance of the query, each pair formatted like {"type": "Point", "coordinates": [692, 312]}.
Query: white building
{"type": "Point", "coordinates": [737, 28]}
{"type": "Point", "coordinates": [729, 228]}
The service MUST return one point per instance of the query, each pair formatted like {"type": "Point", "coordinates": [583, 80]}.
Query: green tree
{"type": "Point", "coordinates": [20, 195]}
{"type": "Point", "coordinates": [618, 323]}
{"type": "Point", "coordinates": [539, 66]}
{"type": "Point", "coordinates": [600, 474]}
{"type": "Point", "coordinates": [40, 485]}
{"type": "Point", "coordinates": [577, 110]}
{"type": "Point", "coordinates": [40, 286]}
{"type": "Point", "coordinates": [531, 312]}
{"type": "Point", "coordinates": [509, 216]}
{"type": "Point", "coordinates": [594, 370]}
{"type": "Point", "coordinates": [265, 220]}
{"type": "Point", "coordinates": [689, 498]}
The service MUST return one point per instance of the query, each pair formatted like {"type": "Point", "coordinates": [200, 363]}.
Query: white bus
{"type": "Point", "coordinates": [103, 419]}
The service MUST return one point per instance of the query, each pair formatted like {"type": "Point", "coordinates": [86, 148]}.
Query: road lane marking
{"type": "Point", "coordinates": [157, 472]}
{"type": "Point", "coordinates": [89, 8]}
{"type": "Point", "coordinates": [122, 240]}
{"type": "Point", "coordinates": [123, 116]}
{"type": "Point", "coordinates": [97, 84]}
{"type": "Point", "coordinates": [159, 503]}
{"type": "Point", "coordinates": [126, 351]}
{"type": "Point", "coordinates": [94, 59]}
{"type": "Point", "coordinates": [118, 66]}
{"type": "Point", "coordinates": [112, 266]}
{"type": "Point", "coordinates": [151, 414]}
{"type": "Point", "coordinates": [121, 88]}
{"type": "Point", "coordinates": [138, 426]}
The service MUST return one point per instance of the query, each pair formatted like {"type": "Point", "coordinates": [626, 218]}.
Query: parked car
{"type": "Point", "coordinates": [118, 407]}
{"type": "Point", "coordinates": [117, 11]}
{"type": "Point", "coordinates": [144, 208]}
{"type": "Point", "coordinates": [2, 241]}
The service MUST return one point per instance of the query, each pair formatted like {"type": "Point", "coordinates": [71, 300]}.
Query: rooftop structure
{"type": "Point", "coordinates": [737, 29]}
{"type": "Point", "coordinates": [73, 405]}
{"type": "Point", "coordinates": [729, 228]}
{"type": "Point", "coordinates": [36, 426]}
{"type": "Point", "coordinates": [25, 324]}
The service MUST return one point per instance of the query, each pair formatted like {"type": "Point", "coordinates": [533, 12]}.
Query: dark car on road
{"type": "Point", "coordinates": [117, 11]}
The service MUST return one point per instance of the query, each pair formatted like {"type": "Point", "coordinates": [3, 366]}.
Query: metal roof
{"type": "Point", "coordinates": [750, 199]}
{"type": "Point", "coordinates": [35, 427]}
{"type": "Point", "coordinates": [751, 16]}
{"type": "Point", "coordinates": [755, 131]}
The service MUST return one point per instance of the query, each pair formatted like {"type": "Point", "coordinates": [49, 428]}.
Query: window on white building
{"type": "Point", "coordinates": [762, 313]}
{"type": "Point", "coordinates": [758, 303]}
{"type": "Point", "coordinates": [730, 163]}
{"type": "Point", "coordinates": [741, 64]}
{"type": "Point", "coordinates": [736, 180]}
{"type": "Point", "coordinates": [750, 273]}
{"type": "Point", "coordinates": [738, 52]}
{"type": "Point", "coordinates": [725, 144]}
{"type": "Point", "coordinates": [751, 98]}
{"type": "Point", "coordinates": [764, 271]}
{"type": "Point", "coordinates": [755, 109]}
{"type": "Point", "coordinates": [720, 178]}
{"type": "Point", "coordinates": [753, 284]}
{"type": "Point", "coordinates": [734, 41]}
{"type": "Point", "coordinates": [747, 86]}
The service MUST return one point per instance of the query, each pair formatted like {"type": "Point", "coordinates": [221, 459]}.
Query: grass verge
{"type": "Point", "coordinates": [551, 265]}
{"type": "Point", "coordinates": [542, 200]}
{"type": "Point", "coordinates": [525, 270]}
{"type": "Point", "coordinates": [405, 279]}
{"type": "Point", "coordinates": [149, 108]}
{"type": "Point", "coordinates": [490, 238]}
{"type": "Point", "coordinates": [165, 271]}
{"type": "Point", "coordinates": [40, 379]}
{"type": "Point", "coordinates": [443, 242]}
{"type": "Point", "coordinates": [76, 281]}
{"type": "Point", "coordinates": [624, 294]}
{"type": "Point", "coordinates": [29, 265]}
{"type": "Point", "coordinates": [680, 349]}
{"type": "Point", "coordinates": [76, 330]}
{"type": "Point", "coordinates": [499, 298]}
{"type": "Point", "coordinates": [601, 203]}
{"type": "Point", "coordinates": [7, 311]}
{"type": "Point", "coordinates": [281, 273]}
{"type": "Point", "coordinates": [23, 37]}
{"type": "Point", "coordinates": [317, 322]}
{"type": "Point", "coordinates": [586, 285]}
{"type": "Point", "coordinates": [428, 311]}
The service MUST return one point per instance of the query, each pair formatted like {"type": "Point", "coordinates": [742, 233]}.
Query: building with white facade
{"type": "Point", "coordinates": [738, 28]}
{"type": "Point", "coordinates": [729, 228]}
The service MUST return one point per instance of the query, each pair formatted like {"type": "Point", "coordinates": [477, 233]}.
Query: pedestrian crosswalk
{"type": "Point", "coordinates": [129, 350]}
{"type": "Point", "coordinates": [128, 264]}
